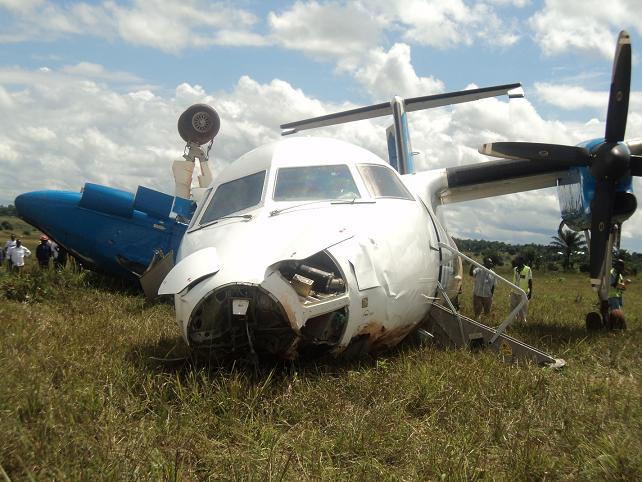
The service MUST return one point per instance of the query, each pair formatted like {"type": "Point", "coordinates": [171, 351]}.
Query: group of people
{"type": "Point", "coordinates": [15, 253]}
{"type": "Point", "coordinates": [485, 282]}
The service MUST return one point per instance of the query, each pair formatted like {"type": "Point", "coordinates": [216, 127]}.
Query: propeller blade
{"type": "Point", "coordinates": [601, 212]}
{"type": "Point", "coordinates": [635, 146]}
{"type": "Point", "coordinates": [636, 165]}
{"type": "Point", "coordinates": [620, 88]}
{"type": "Point", "coordinates": [534, 151]}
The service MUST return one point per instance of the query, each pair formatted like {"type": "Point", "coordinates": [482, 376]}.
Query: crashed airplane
{"type": "Point", "coordinates": [315, 245]}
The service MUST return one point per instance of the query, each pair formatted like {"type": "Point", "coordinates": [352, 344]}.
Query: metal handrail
{"type": "Point", "coordinates": [511, 316]}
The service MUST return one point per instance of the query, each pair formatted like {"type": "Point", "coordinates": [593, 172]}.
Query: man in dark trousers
{"type": "Point", "coordinates": [43, 252]}
{"type": "Point", "coordinates": [523, 278]}
{"type": "Point", "coordinates": [483, 289]}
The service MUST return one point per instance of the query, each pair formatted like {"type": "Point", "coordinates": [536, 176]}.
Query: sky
{"type": "Point", "coordinates": [92, 90]}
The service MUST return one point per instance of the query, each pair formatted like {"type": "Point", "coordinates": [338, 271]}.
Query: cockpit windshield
{"type": "Point", "coordinates": [311, 183]}
{"type": "Point", "coordinates": [234, 196]}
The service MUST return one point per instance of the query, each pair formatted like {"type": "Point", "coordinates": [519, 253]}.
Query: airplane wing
{"type": "Point", "coordinates": [481, 180]}
{"type": "Point", "coordinates": [496, 178]}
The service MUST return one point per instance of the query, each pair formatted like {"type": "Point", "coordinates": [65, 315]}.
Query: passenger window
{"type": "Point", "coordinates": [315, 183]}
{"type": "Point", "coordinates": [234, 196]}
{"type": "Point", "coordinates": [382, 181]}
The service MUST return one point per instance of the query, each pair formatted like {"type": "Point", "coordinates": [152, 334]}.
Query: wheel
{"type": "Point", "coordinates": [199, 124]}
{"type": "Point", "coordinates": [616, 320]}
{"type": "Point", "coordinates": [593, 321]}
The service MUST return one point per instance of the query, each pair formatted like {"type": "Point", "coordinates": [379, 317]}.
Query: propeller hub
{"type": "Point", "coordinates": [611, 162]}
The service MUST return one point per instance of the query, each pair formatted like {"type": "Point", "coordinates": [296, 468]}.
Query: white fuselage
{"type": "Point", "coordinates": [382, 252]}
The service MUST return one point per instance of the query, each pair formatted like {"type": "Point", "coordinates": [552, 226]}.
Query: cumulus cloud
{"type": "Point", "coordinates": [585, 25]}
{"type": "Point", "coordinates": [447, 23]}
{"type": "Point", "coordinates": [386, 73]}
{"type": "Point", "coordinates": [332, 30]}
{"type": "Point", "coordinates": [167, 25]}
{"type": "Point", "coordinates": [570, 97]}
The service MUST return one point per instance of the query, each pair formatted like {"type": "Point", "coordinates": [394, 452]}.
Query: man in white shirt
{"type": "Point", "coordinates": [11, 243]}
{"type": "Point", "coordinates": [484, 288]}
{"type": "Point", "coordinates": [17, 256]}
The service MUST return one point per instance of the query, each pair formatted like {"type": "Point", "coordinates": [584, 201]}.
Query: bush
{"type": "Point", "coordinates": [552, 267]}
{"type": "Point", "coordinates": [34, 285]}
{"type": "Point", "coordinates": [6, 225]}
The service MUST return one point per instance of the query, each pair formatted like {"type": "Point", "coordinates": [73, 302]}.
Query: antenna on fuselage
{"type": "Point", "coordinates": [198, 125]}
{"type": "Point", "coordinates": [398, 134]}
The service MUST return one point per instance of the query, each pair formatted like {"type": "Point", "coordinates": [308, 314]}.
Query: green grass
{"type": "Point", "coordinates": [84, 396]}
{"type": "Point", "coordinates": [20, 228]}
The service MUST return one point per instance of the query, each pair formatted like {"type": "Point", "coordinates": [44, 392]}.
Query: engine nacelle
{"type": "Point", "coordinates": [575, 192]}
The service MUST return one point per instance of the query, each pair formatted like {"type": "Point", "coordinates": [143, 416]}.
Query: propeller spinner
{"type": "Point", "coordinates": [608, 161]}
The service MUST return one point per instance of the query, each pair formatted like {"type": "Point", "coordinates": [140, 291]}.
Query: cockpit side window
{"type": "Point", "coordinates": [234, 196]}
{"type": "Point", "coordinates": [311, 183]}
{"type": "Point", "coordinates": [382, 181]}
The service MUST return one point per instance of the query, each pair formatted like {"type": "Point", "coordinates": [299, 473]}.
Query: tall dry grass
{"type": "Point", "coordinates": [83, 395]}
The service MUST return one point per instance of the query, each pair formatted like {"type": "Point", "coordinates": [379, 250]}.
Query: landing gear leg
{"type": "Point", "coordinates": [594, 320]}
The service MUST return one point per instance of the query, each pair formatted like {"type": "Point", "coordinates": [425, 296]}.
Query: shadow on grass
{"type": "Point", "coordinates": [171, 355]}
{"type": "Point", "coordinates": [555, 335]}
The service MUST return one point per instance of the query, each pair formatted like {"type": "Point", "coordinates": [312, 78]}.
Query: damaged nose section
{"type": "Point", "coordinates": [300, 307]}
{"type": "Point", "coordinates": [241, 318]}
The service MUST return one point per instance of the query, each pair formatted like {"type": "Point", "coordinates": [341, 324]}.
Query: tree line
{"type": "Point", "coordinates": [9, 210]}
{"type": "Point", "coordinates": [567, 251]}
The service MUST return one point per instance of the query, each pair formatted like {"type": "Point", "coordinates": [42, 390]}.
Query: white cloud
{"type": "Point", "coordinates": [514, 3]}
{"type": "Point", "coordinates": [98, 72]}
{"type": "Point", "coordinates": [447, 23]}
{"type": "Point", "coordinates": [391, 73]}
{"type": "Point", "coordinates": [167, 25]}
{"type": "Point", "coordinates": [332, 30]}
{"type": "Point", "coordinates": [570, 97]}
{"type": "Point", "coordinates": [584, 25]}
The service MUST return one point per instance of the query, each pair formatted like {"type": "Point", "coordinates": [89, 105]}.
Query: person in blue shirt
{"type": "Point", "coordinates": [43, 252]}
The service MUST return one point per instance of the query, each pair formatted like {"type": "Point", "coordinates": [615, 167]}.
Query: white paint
{"type": "Point", "coordinates": [190, 269]}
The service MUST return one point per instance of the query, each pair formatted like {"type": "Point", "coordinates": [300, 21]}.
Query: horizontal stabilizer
{"type": "Point", "coordinates": [514, 91]}
{"type": "Point", "coordinates": [411, 105]}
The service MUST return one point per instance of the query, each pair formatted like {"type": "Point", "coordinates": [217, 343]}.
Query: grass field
{"type": "Point", "coordinates": [83, 395]}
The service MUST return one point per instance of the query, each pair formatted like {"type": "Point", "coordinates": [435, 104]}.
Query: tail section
{"type": "Point", "coordinates": [399, 148]}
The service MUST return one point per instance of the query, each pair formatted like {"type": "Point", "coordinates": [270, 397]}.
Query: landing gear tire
{"type": "Point", "coordinates": [593, 321]}
{"type": "Point", "coordinates": [616, 320]}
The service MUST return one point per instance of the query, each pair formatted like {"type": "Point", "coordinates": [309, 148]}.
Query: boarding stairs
{"type": "Point", "coordinates": [449, 328]}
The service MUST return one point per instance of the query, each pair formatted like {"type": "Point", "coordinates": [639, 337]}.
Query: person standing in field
{"type": "Point", "coordinates": [523, 278]}
{"type": "Point", "coordinates": [11, 243]}
{"type": "Point", "coordinates": [617, 285]}
{"type": "Point", "coordinates": [484, 288]}
{"type": "Point", "coordinates": [59, 254]}
{"type": "Point", "coordinates": [43, 252]}
{"type": "Point", "coordinates": [17, 256]}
